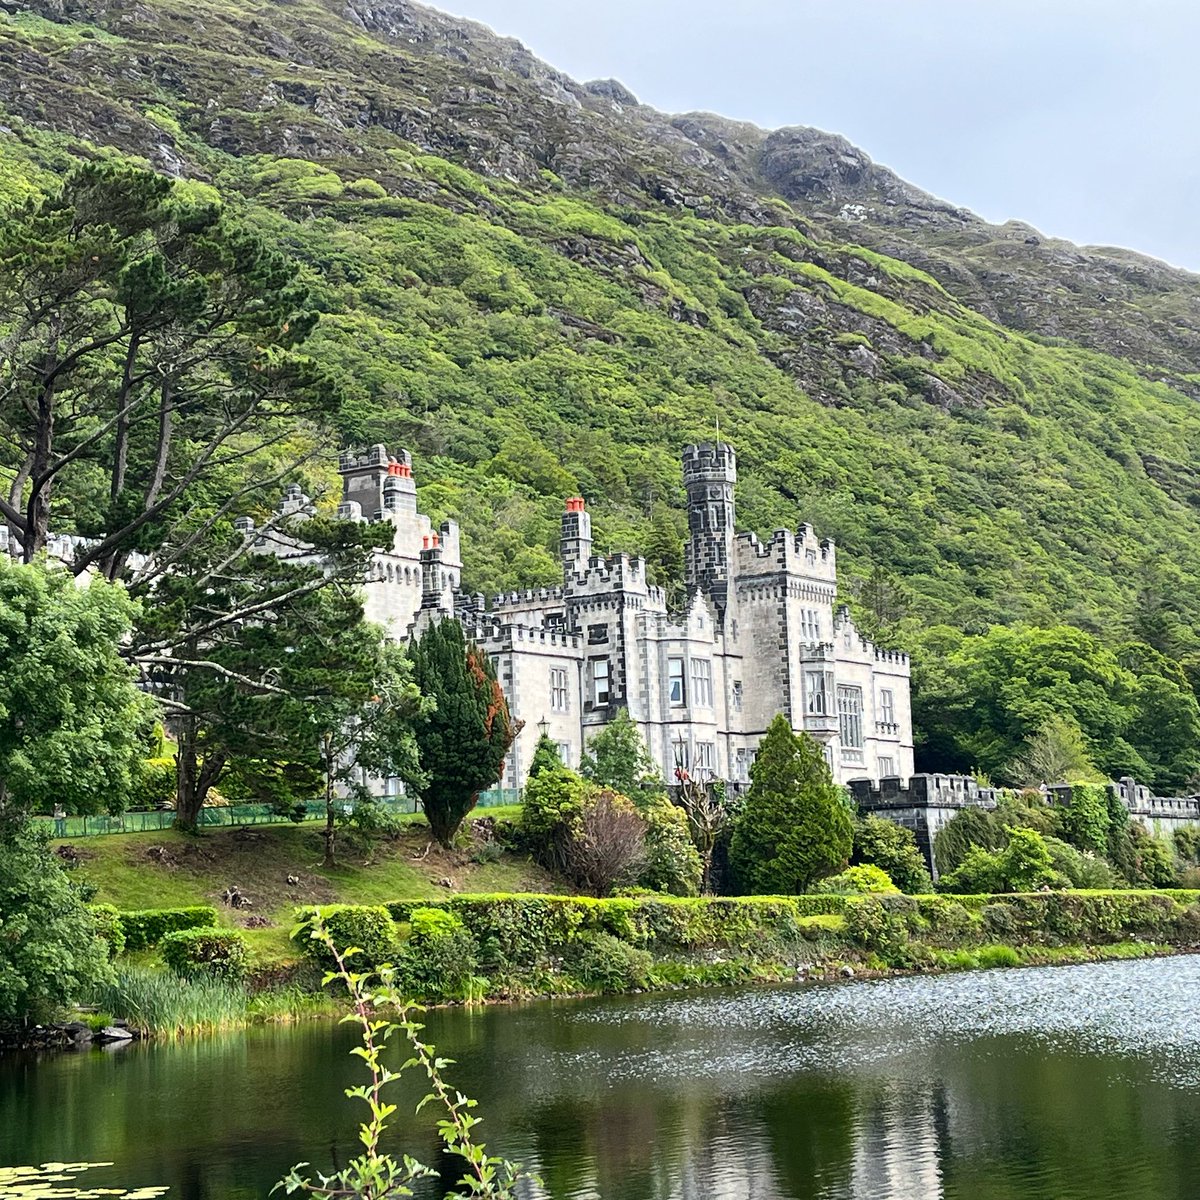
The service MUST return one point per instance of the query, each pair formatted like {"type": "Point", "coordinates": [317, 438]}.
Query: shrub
{"type": "Point", "coordinates": [439, 961]}
{"type": "Point", "coordinates": [858, 881]}
{"type": "Point", "coordinates": [879, 928]}
{"type": "Point", "coordinates": [50, 951]}
{"type": "Point", "coordinates": [147, 927]}
{"type": "Point", "coordinates": [893, 849]}
{"type": "Point", "coordinates": [672, 862]}
{"type": "Point", "coordinates": [206, 953]}
{"type": "Point", "coordinates": [369, 188]}
{"type": "Point", "coordinates": [607, 964]}
{"type": "Point", "coordinates": [550, 804]}
{"type": "Point", "coordinates": [369, 928]}
{"type": "Point", "coordinates": [795, 826]}
{"type": "Point", "coordinates": [108, 926]}
{"type": "Point", "coordinates": [1023, 865]}
{"type": "Point", "coordinates": [1081, 869]}
{"type": "Point", "coordinates": [606, 846]}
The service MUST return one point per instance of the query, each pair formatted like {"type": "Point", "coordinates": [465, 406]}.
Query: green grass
{"type": "Point", "coordinates": [170, 870]}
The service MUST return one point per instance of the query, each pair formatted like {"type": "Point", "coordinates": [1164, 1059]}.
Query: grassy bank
{"type": "Point", "coordinates": [483, 923]}
{"type": "Point", "coordinates": [278, 868]}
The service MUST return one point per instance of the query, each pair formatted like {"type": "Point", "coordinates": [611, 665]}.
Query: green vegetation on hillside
{"type": "Point", "coordinates": [534, 338]}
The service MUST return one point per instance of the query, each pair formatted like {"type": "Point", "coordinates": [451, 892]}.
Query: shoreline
{"type": "Point", "coordinates": [56, 1037]}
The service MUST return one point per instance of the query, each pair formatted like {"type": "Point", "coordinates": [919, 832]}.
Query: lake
{"type": "Point", "coordinates": [1069, 1083]}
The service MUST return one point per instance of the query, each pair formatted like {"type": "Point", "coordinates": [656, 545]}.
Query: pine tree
{"type": "Point", "coordinates": [464, 739]}
{"type": "Point", "coordinates": [795, 828]}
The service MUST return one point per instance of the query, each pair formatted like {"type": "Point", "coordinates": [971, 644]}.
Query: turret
{"type": "Point", "coordinates": [709, 476]}
{"type": "Point", "coordinates": [378, 483]}
{"type": "Point", "coordinates": [434, 596]}
{"type": "Point", "coordinates": [576, 545]}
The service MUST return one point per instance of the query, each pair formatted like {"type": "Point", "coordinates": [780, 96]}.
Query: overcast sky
{"type": "Point", "coordinates": [1081, 117]}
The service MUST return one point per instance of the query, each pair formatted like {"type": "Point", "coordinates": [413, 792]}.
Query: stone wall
{"type": "Point", "coordinates": [927, 803]}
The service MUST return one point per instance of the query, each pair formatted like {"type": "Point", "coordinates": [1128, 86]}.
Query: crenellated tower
{"type": "Point", "coordinates": [709, 476]}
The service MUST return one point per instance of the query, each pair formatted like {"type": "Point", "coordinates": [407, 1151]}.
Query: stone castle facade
{"type": "Point", "coordinates": [761, 633]}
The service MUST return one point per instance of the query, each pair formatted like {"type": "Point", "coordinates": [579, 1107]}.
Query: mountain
{"type": "Point", "coordinates": [542, 286]}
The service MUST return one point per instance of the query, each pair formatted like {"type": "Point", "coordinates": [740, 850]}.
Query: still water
{"type": "Point", "coordinates": [1072, 1083]}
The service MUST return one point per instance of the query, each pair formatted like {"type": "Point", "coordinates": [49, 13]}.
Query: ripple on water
{"type": "Point", "coordinates": [1143, 1009]}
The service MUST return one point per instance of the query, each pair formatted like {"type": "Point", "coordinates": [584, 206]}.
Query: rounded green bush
{"type": "Point", "coordinates": [607, 964]}
{"type": "Point", "coordinates": [367, 928]}
{"type": "Point", "coordinates": [206, 953]}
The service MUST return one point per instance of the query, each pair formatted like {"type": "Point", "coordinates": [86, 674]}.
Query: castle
{"type": "Point", "coordinates": [761, 633]}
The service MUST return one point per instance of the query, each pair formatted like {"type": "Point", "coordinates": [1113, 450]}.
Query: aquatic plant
{"type": "Point", "coordinates": [166, 1005]}
{"type": "Point", "coordinates": [55, 1180]}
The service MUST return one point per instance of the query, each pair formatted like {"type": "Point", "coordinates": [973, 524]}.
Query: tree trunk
{"type": "Point", "coordinates": [330, 819]}
{"type": "Point", "coordinates": [193, 778]}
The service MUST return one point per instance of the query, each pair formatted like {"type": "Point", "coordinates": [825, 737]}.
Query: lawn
{"type": "Point", "coordinates": [277, 867]}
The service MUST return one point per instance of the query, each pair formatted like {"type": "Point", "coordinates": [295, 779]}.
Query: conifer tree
{"type": "Point", "coordinates": [465, 737]}
{"type": "Point", "coordinates": [545, 757]}
{"type": "Point", "coordinates": [795, 827]}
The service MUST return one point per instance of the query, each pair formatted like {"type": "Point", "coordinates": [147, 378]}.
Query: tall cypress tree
{"type": "Point", "coordinates": [795, 827]}
{"type": "Point", "coordinates": [464, 739]}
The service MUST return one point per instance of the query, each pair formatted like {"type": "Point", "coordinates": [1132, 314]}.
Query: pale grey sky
{"type": "Point", "coordinates": [1081, 117]}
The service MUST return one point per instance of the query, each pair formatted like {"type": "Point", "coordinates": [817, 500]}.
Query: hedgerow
{"type": "Point", "coordinates": [148, 927]}
{"type": "Point", "coordinates": [206, 954]}
{"type": "Point", "coordinates": [460, 947]}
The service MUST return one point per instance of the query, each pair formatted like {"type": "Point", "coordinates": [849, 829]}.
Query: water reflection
{"type": "Point", "coordinates": [1076, 1084]}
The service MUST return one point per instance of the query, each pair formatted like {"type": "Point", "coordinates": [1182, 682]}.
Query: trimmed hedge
{"type": "Point", "coordinates": [525, 944]}
{"type": "Point", "coordinates": [524, 930]}
{"type": "Point", "coordinates": [206, 953]}
{"type": "Point", "coordinates": [149, 926]}
{"type": "Point", "coordinates": [365, 927]}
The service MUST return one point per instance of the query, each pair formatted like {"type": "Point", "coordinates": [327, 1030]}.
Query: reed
{"type": "Point", "coordinates": [159, 1004]}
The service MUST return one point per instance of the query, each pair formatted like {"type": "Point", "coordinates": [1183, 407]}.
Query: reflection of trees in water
{"type": "Point", "coordinates": [613, 1109]}
{"type": "Point", "coordinates": [810, 1123]}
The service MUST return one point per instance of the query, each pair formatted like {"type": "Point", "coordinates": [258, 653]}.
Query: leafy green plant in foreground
{"type": "Point", "coordinates": [374, 1175]}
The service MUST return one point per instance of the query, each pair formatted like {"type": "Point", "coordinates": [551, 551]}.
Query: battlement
{"type": "Point", "coordinates": [551, 595]}
{"type": "Point", "coordinates": [495, 635]}
{"type": "Point", "coordinates": [621, 572]}
{"type": "Point", "coordinates": [798, 553]}
{"type": "Point", "coordinates": [709, 461]}
{"type": "Point", "coordinates": [922, 791]}
{"type": "Point", "coordinates": [895, 657]}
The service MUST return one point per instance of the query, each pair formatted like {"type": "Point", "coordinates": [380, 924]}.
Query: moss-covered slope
{"type": "Point", "coordinates": [542, 287]}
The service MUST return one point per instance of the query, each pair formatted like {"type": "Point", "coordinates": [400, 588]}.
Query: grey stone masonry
{"type": "Point", "coordinates": [927, 803]}
{"type": "Point", "coordinates": [758, 634]}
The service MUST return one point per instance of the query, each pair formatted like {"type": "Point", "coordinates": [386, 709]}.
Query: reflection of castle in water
{"type": "Point", "coordinates": [899, 1139]}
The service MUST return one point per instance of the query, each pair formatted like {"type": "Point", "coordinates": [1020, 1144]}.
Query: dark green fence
{"type": "Point", "coordinates": [235, 814]}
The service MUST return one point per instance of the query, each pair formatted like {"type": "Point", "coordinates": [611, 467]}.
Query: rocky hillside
{"type": "Point", "coordinates": [542, 285]}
